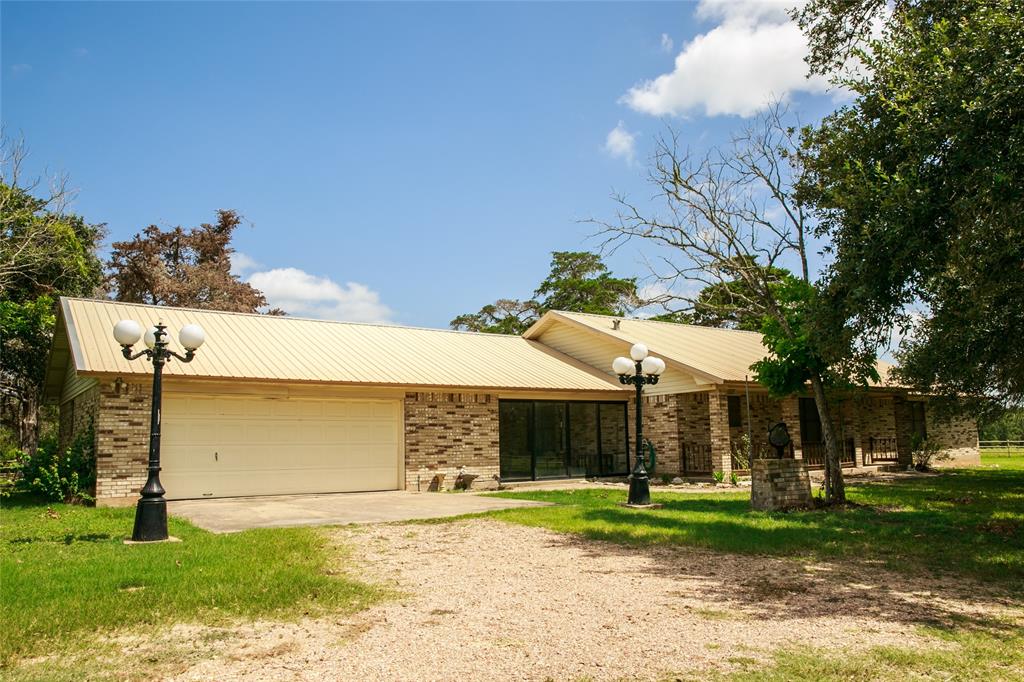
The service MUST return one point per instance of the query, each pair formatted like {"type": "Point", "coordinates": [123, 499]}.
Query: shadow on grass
{"type": "Point", "coordinates": [773, 587]}
{"type": "Point", "coordinates": [929, 551]}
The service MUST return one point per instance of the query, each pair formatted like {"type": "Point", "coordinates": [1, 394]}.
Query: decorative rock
{"type": "Point", "coordinates": [677, 481]}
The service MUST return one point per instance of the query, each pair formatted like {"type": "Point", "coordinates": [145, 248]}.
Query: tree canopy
{"type": "Point", "coordinates": [919, 185]}
{"type": "Point", "coordinates": [579, 281]}
{"type": "Point", "coordinates": [183, 268]}
{"type": "Point", "coordinates": [45, 252]}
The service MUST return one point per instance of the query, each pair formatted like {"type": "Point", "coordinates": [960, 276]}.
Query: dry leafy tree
{"type": "Point", "coordinates": [183, 268]}
{"type": "Point", "coordinates": [728, 222]}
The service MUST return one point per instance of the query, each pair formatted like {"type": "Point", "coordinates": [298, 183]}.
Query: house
{"type": "Point", "coordinates": [278, 405]}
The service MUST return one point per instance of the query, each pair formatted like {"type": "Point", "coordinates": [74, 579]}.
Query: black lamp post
{"type": "Point", "coordinates": [151, 511]}
{"type": "Point", "coordinates": [640, 370]}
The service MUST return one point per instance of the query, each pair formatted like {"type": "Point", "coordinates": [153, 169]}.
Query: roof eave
{"type": "Point", "coordinates": [551, 316]}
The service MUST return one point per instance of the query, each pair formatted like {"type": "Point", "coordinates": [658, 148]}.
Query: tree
{"type": "Point", "coordinates": [45, 252]}
{"type": "Point", "coordinates": [504, 316]}
{"type": "Point", "coordinates": [578, 281]}
{"type": "Point", "coordinates": [733, 224]}
{"type": "Point", "coordinates": [919, 184]}
{"type": "Point", "coordinates": [183, 268]}
{"type": "Point", "coordinates": [721, 304]}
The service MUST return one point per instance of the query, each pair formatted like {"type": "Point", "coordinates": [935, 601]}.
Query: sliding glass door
{"type": "Point", "coordinates": [558, 439]}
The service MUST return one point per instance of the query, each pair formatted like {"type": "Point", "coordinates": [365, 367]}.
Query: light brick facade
{"type": "Point", "coordinates": [444, 432]}
{"type": "Point", "coordinates": [447, 431]}
{"type": "Point", "coordinates": [119, 413]}
{"type": "Point", "coordinates": [958, 437]}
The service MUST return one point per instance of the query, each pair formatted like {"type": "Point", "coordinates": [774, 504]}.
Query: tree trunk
{"type": "Point", "coordinates": [28, 423]}
{"type": "Point", "coordinates": [835, 489]}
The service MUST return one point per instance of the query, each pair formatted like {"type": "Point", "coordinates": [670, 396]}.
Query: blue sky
{"type": "Point", "coordinates": [404, 162]}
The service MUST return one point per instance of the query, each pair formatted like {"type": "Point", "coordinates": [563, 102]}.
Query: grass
{"type": "Point", "coordinates": [966, 521]}
{"type": "Point", "coordinates": [66, 575]}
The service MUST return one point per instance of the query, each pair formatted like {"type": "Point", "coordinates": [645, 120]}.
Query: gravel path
{"type": "Point", "coordinates": [491, 601]}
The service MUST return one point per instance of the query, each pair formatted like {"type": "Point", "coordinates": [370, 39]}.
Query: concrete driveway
{"type": "Point", "coordinates": [241, 513]}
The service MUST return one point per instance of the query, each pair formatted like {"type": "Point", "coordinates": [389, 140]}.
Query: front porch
{"type": "Point", "coordinates": [699, 433]}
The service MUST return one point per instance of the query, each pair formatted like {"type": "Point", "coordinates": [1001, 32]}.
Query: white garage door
{"type": "Point", "coordinates": [214, 446]}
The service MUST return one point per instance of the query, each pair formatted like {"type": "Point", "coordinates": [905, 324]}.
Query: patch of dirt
{"type": "Point", "coordinates": [487, 600]}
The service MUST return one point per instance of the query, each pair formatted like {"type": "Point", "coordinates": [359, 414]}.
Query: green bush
{"type": "Point", "coordinates": [718, 475]}
{"type": "Point", "coordinates": [68, 476]}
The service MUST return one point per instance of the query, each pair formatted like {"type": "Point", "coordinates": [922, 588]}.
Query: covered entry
{"type": "Point", "coordinates": [559, 439]}
{"type": "Point", "coordinates": [226, 446]}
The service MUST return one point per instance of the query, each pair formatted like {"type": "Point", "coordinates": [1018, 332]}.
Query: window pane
{"type": "Point", "coordinates": [514, 440]}
{"type": "Point", "coordinates": [582, 438]}
{"type": "Point", "coordinates": [735, 416]}
{"type": "Point", "coordinates": [613, 440]}
{"type": "Point", "coordinates": [810, 424]}
{"type": "Point", "coordinates": [549, 434]}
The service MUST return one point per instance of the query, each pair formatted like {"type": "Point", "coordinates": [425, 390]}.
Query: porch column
{"type": "Point", "coordinates": [791, 415]}
{"type": "Point", "coordinates": [721, 441]}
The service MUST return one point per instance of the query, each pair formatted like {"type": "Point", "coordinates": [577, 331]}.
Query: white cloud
{"type": "Point", "coordinates": [754, 55]}
{"type": "Point", "coordinates": [20, 69]}
{"type": "Point", "coordinates": [299, 293]}
{"type": "Point", "coordinates": [620, 143]}
{"type": "Point", "coordinates": [242, 264]}
{"type": "Point", "coordinates": [666, 42]}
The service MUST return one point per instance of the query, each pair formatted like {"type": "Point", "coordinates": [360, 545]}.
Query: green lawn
{"type": "Point", "coordinates": [967, 521]}
{"type": "Point", "coordinates": [66, 574]}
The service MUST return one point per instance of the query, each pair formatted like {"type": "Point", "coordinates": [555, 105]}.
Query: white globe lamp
{"type": "Point", "coordinates": [191, 336]}
{"type": "Point", "coordinates": [638, 352]}
{"type": "Point", "coordinates": [127, 332]}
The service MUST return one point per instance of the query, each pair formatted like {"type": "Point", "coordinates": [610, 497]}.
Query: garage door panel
{"type": "Point", "coordinates": [278, 446]}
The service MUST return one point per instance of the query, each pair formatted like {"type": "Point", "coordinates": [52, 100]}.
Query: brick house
{"type": "Point", "coordinates": [278, 405]}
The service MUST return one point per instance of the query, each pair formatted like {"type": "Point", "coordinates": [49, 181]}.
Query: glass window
{"type": "Point", "coordinates": [918, 426]}
{"type": "Point", "coordinates": [583, 439]}
{"type": "Point", "coordinates": [552, 439]}
{"type": "Point", "coordinates": [515, 451]}
{"type": "Point", "coordinates": [735, 412]}
{"type": "Point", "coordinates": [614, 440]}
{"type": "Point", "coordinates": [810, 423]}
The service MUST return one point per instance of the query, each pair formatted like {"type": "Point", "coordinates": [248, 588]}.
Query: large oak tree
{"type": "Point", "coordinates": [920, 185]}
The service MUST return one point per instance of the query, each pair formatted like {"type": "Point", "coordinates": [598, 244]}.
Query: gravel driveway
{"type": "Point", "coordinates": [491, 601]}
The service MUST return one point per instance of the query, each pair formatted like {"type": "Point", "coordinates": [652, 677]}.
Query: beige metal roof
{"type": "Point", "coordinates": [710, 352]}
{"type": "Point", "coordinates": [263, 347]}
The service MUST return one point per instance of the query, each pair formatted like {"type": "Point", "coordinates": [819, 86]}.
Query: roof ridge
{"type": "Point", "coordinates": [644, 319]}
{"type": "Point", "coordinates": [289, 317]}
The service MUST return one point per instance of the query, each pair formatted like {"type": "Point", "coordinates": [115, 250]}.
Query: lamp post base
{"type": "Point", "coordinates": [150, 520]}
{"type": "Point", "coordinates": [639, 486]}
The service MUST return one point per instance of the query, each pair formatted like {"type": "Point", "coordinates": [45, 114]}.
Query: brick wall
{"type": "Point", "coordinates": [721, 443]}
{"type": "Point", "coordinates": [958, 437]}
{"type": "Point", "coordinates": [661, 427]}
{"type": "Point", "coordinates": [77, 415]}
{"type": "Point", "coordinates": [445, 431]}
{"type": "Point", "coordinates": [122, 441]}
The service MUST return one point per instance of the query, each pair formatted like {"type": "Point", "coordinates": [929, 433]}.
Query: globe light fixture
{"type": "Point", "coordinates": [151, 510]}
{"type": "Point", "coordinates": [127, 332]}
{"type": "Point", "coordinates": [639, 369]}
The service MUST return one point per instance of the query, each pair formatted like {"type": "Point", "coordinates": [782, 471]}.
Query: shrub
{"type": "Point", "coordinates": [734, 478]}
{"type": "Point", "coordinates": [741, 451]}
{"type": "Point", "coordinates": [68, 476]}
{"type": "Point", "coordinates": [718, 475]}
{"type": "Point", "coordinates": [924, 452]}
